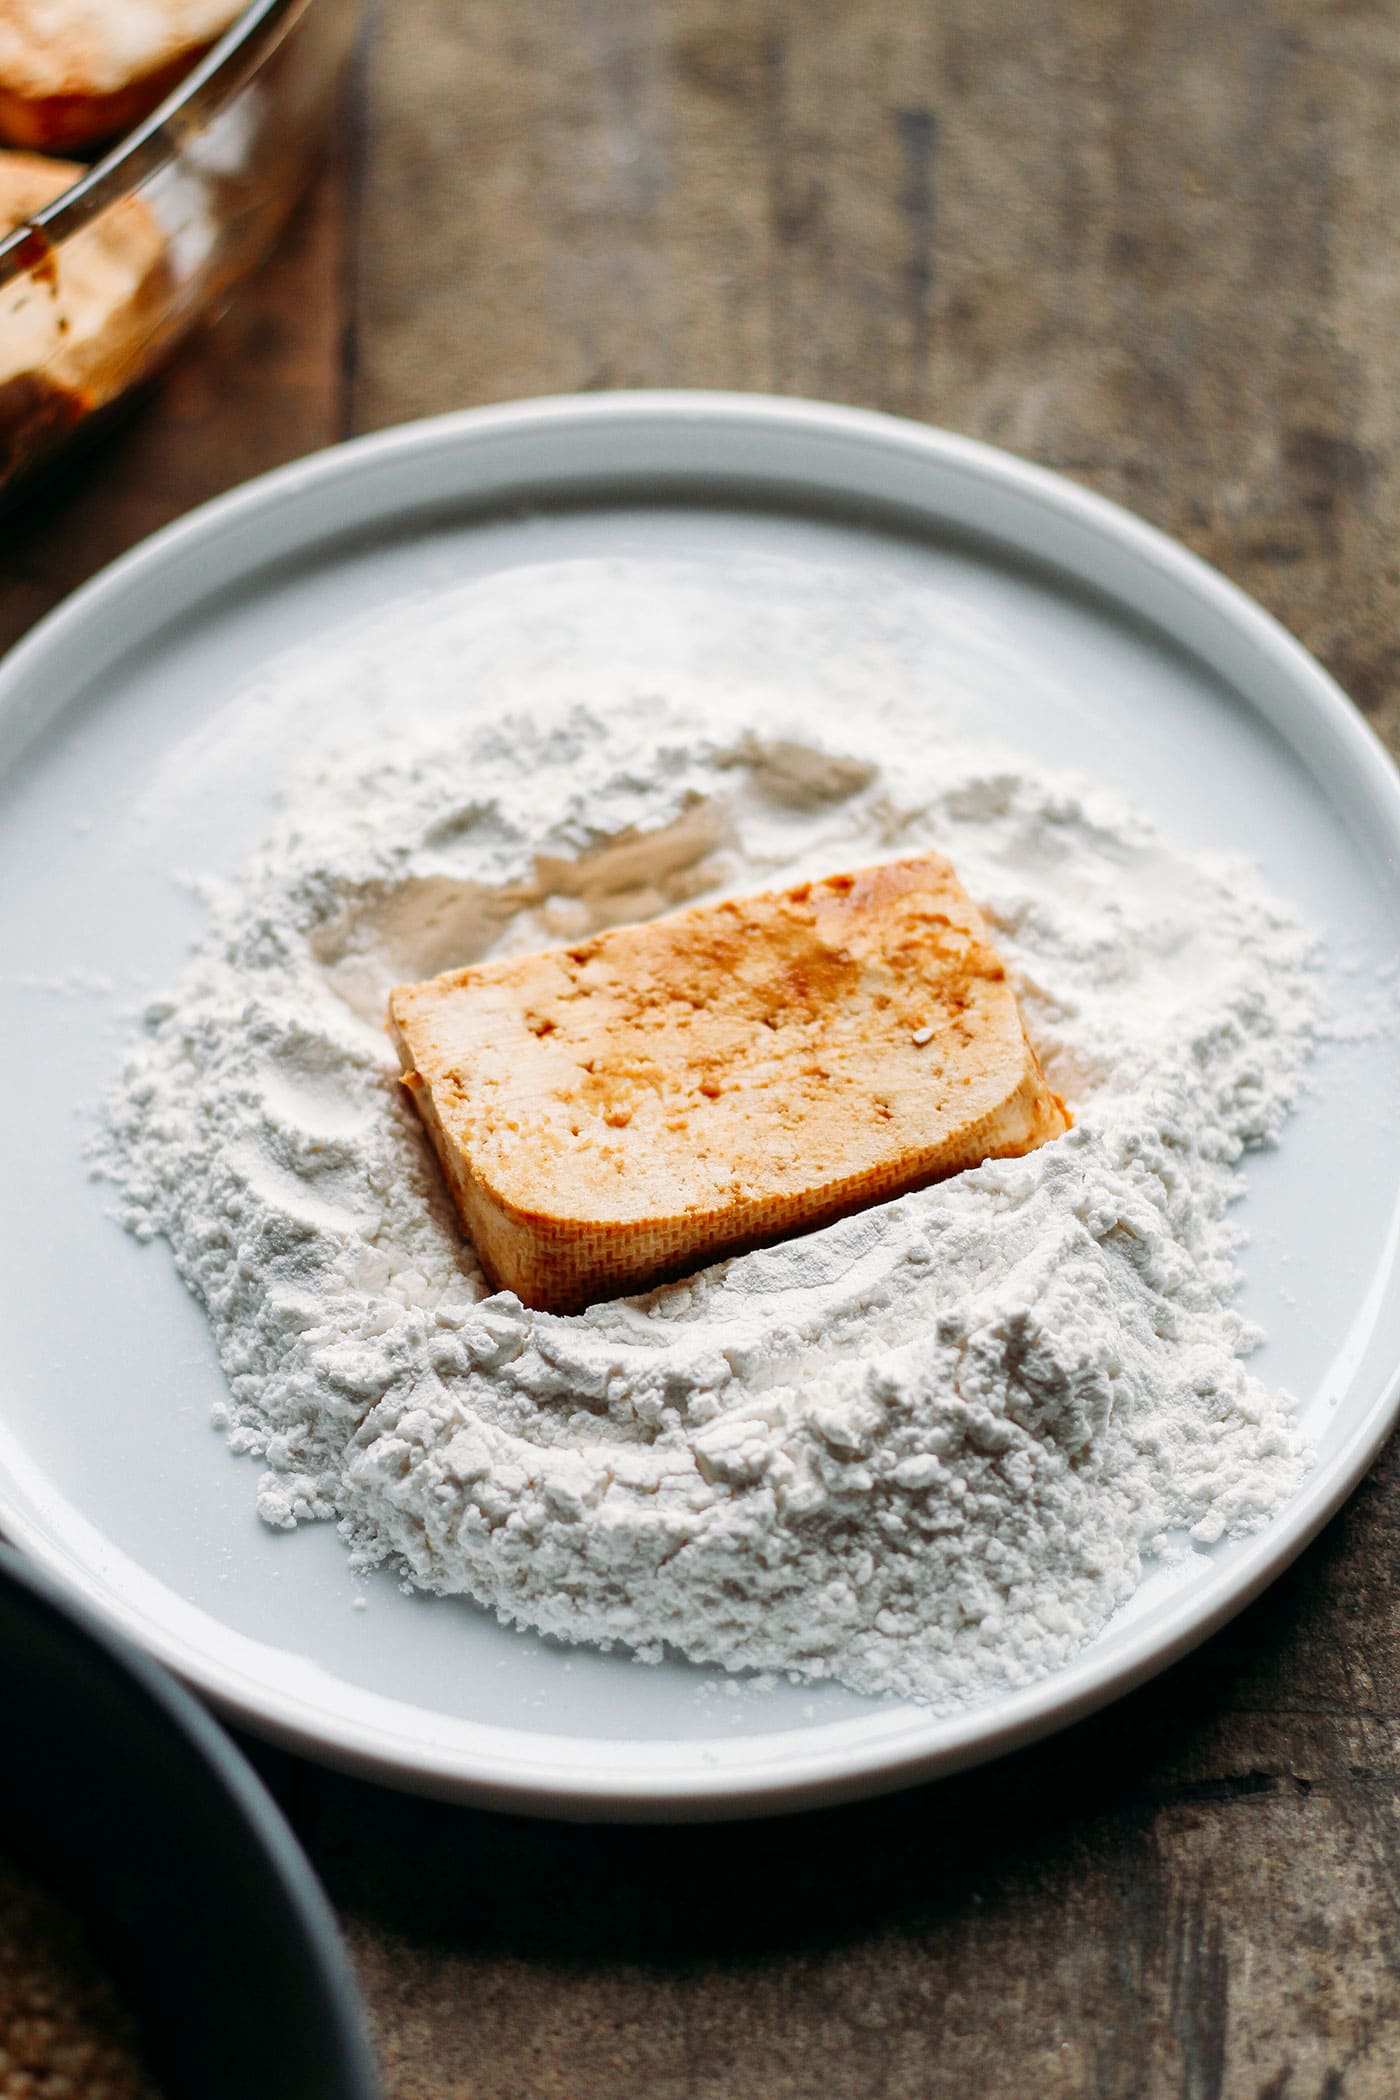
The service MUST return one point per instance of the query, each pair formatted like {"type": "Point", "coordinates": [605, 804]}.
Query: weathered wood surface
{"type": "Point", "coordinates": [1155, 247]}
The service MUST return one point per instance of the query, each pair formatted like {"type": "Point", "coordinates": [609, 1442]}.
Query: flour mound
{"type": "Point", "coordinates": [923, 1451]}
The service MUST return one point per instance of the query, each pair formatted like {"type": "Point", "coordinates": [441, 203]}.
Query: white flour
{"type": "Point", "coordinates": [921, 1451]}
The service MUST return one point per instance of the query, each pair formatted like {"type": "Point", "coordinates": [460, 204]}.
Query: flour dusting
{"type": "Point", "coordinates": [922, 1451]}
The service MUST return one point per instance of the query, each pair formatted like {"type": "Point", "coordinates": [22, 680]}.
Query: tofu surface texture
{"type": "Point", "coordinates": [623, 1110]}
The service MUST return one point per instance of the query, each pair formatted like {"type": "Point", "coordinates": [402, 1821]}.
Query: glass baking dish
{"type": "Point", "coordinates": [99, 285]}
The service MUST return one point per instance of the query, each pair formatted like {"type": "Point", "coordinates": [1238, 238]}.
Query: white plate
{"type": "Point", "coordinates": [130, 746]}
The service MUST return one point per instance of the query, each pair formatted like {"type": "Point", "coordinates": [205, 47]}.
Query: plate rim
{"type": "Point", "coordinates": [759, 1774]}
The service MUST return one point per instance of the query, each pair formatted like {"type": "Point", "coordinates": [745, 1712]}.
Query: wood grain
{"type": "Point", "coordinates": [1151, 247]}
{"type": "Point", "coordinates": [1154, 247]}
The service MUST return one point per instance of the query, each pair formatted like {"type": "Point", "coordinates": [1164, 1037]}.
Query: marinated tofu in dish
{"type": "Point", "coordinates": [75, 72]}
{"type": "Point", "coordinates": [78, 327]}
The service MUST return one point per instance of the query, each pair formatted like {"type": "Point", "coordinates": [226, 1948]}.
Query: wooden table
{"type": "Point", "coordinates": [1155, 247]}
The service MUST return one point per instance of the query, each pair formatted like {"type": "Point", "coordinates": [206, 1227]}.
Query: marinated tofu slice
{"type": "Point", "coordinates": [622, 1111]}
{"type": "Point", "coordinates": [79, 326]}
{"type": "Point", "coordinates": [73, 72]}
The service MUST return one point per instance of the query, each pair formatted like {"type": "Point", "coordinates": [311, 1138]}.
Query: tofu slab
{"type": "Point", "coordinates": [73, 72]}
{"type": "Point", "coordinates": [621, 1111]}
{"type": "Point", "coordinates": [85, 313]}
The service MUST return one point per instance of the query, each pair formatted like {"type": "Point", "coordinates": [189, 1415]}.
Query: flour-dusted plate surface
{"type": "Point", "coordinates": [774, 546]}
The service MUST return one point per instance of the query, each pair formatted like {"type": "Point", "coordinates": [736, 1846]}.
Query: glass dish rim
{"type": "Point", "coordinates": [159, 138]}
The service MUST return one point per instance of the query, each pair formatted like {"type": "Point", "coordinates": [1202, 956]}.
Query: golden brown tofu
{"type": "Point", "coordinates": [618, 1112]}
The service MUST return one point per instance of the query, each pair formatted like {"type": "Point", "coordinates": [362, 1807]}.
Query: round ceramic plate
{"type": "Point", "coordinates": [136, 746]}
